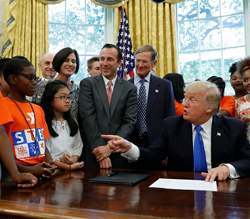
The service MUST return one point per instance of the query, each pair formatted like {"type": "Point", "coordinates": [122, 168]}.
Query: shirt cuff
{"type": "Point", "coordinates": [232, 171]}
{"type": "Point", "coordinates": [132, 154]}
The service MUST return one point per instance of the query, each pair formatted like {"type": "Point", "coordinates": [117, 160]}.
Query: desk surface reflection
{"type": "Point", "coordinates": [70, 195]}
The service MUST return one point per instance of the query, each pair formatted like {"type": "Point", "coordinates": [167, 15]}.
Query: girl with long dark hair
{"type": "Point", "coordinates": [65, 144]}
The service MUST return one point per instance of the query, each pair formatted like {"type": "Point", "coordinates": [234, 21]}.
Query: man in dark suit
{"type": "Point", "coordinates": [225, 153]}
{"type": "Point", "coordinates": [158, 98]}
{"type": "Point", "coordinates": [107, 104]}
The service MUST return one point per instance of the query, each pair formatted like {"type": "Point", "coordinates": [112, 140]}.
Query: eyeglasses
{"type": "Point", "coordinates": [190, 100]}
{"type": "Point", "coordinates": [30, 77]}
{"type": "Point", "coordinates": [64, 98]}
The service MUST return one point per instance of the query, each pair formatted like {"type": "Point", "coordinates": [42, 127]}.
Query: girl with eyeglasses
{"type": "Point", "coordinates": [26, 128]}
{"type": "Point", "coordinates": [65, 145]}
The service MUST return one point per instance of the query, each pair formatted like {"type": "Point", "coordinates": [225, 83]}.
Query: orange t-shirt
{"type": "Point", "coordinates": [20, 122]}
{"type": "Point", "coordinates": [227, 104]}
{"type": "Point", "coordinates": [179, 109]}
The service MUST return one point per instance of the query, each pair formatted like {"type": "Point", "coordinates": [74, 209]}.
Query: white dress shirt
{"type": "Point", "coordinates": [137, 83]}
{"type": "Point", "coordinates": [107, 80]}
{"type": "Point", "coordinates": [206, 133]}
{"type": "Point", "coordinates": [64, 143]}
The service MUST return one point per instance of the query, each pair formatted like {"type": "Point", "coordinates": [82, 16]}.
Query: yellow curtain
{"type": "Point", "coordinates": [153, 24]}
{"type": "Point", "coordinates": [109, 3]}
{"type": "Point", "coordinates": [173, 1]}
{"type": "Point", "coordinates": [25, 30]}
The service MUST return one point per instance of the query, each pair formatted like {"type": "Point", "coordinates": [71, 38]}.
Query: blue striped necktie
{"type": "Point", "coordinates": [142, 108]}
{"type": "Point", "coordinates": [200, 163]}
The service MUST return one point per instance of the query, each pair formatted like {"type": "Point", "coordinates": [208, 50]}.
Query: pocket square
{"type": "Point", "coordinates": [156, 91]}
{"type": "Point", "coordinates": [218, 134]}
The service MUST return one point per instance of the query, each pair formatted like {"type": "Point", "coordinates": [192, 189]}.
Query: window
{"type": "Point", "coordinates": [78, 24]}
{"type": "Point", "coordinates": [211, 36]}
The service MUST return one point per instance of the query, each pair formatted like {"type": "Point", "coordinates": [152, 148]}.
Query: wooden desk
{"type": "Point", "coordinates": [72, 196]}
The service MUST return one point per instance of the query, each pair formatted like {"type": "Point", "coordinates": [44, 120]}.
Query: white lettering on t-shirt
{"type": "Point", "coordinates": [19, 138]}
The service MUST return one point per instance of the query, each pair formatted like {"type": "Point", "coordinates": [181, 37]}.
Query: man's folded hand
{"type": "Point", "coordinates": [101, 152]}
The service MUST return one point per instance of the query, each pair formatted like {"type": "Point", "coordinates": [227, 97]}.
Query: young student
{"type": "Point", "coordinates": [227, 103]}
{"type": "Point", "coordinates": [93, 66]}
{"type": "Point", "coordinates": [4, 87]}
{"type": "Point", "coordinates": [6, 155]}
{"type": "Point", "coordinates": [178, 84]}
{"type": "Point", "coordinates": [65, 145]}
{"type": "Point", "coordinates": [27, 129]}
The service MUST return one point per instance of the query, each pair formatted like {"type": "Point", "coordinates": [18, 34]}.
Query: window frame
{"type": "Point", "coordinates": [246, 17]}
{"type": "Point", "coordinates": [108, 36]}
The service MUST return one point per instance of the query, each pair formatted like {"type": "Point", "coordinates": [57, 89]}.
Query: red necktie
{"type": "Point", "coordinates": [109, 91]}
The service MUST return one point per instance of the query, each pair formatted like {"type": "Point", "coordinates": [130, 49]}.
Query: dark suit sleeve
{"type": "Point", "coordinates": [130, 114]}
{"type": "Point", "coordinates": [242, 151]}
{"type": "Point", "coordinates": [171, 103]}
{"type": "Point", "coordinates": [152, 156]}
{"type": "Point", "coordinates": [88, 116]}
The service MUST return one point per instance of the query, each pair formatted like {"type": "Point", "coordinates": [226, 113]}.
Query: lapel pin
{"type": "Point", "coordinates": [156, 91]}
{"type": "Point", "coordinates": [218, 133]}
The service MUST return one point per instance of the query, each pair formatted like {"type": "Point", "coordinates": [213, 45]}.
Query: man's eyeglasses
{"type": "Point", "coordinates": [30, 77]}
{"type": "Point", "coordinates": [64, 98]}
{"type": "Point", "coordinates": [190, 100]}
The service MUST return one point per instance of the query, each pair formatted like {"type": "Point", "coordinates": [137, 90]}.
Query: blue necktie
{"type": "Point", "coordinates": [200, 163]}
{"type": "Point", "coordinates": [142, 108]}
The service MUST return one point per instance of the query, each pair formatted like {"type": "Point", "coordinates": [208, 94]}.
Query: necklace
{"type": "Point", "coordinates": [30, 129]}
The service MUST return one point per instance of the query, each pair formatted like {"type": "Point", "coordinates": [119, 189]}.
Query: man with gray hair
{"type": "Point", "coordinates": [48, 74]}
{"type": "Point", "coordinates": [155, 98]}
{"type": "Point", "coordinates": [45, 64]}
{"type": "Point", "coordinates": [198, 141]}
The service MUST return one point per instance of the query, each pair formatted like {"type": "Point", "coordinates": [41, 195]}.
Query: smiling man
{"type": "Point", "coordinates": [45, 64]}
{"type": "Point", "coordinates": [155, 98]}
{"type": "Point", "coordinates": [107, 104]}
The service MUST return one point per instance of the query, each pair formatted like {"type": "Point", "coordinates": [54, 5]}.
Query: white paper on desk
{"type": "Point", "coordinates": [184, 184]}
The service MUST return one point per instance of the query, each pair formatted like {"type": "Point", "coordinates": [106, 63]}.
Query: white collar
{"type": "Point", "coordinates": [205, 126]}
{"type": "Point", "coordinates": [107, 80]}
{"type": "Point", "coordinates": [137, 79]}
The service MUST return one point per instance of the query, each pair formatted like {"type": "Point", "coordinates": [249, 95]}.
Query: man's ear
{"type": "Point", "coordinates": [154, 65]}
{"type": "Point", "coordinates": [12, 79]}
{"type": "Point", "coordinates": [210, 110]}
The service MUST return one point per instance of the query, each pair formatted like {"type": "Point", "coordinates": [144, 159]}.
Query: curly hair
{"type": "Point", "coordinates": [243, 65]}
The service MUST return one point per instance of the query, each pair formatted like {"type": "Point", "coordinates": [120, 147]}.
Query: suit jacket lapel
{"type": "Point", "coordinates": [188, 140]}
{"type": "Point", "coordinates": [116, 94]}
{"type": "Point", "coordinates": [100, 87]}
{"type": "Point", "coordinates": [152, 92]}
{"type": "Point", "coordinates": [216, 139]}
